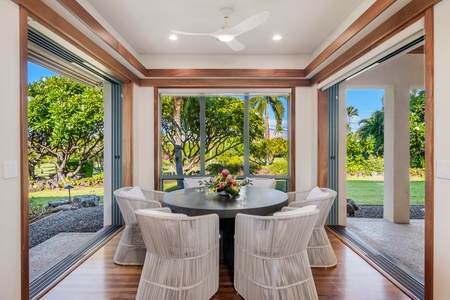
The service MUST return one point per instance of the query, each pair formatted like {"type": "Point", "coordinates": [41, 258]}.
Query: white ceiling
{"type": "Point", "coordinates": [145, 24]}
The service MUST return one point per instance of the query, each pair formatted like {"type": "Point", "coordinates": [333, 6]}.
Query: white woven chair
{"type": "Point", "coordinates": [270, 260]}
{"type": "Point", "coordinates": [182, 259]}
{"type": "Point", "coordinates": [320, 252]}
{"type": "Point", "coordinates": [193, 181]}
{"type": "Point", "coordinates": [263, 182]}
{"type": "Point", "coordinates": [131, 248]}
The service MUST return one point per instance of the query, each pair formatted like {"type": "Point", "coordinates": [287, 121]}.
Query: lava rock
{"type": "Point", "coordinates": [86, 201]}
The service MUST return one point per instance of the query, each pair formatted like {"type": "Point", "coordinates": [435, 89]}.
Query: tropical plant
{"type": "Point", "coordinates": [351, 112]}
{"type": "Point", "coordinates": [65, 121]}
{"type": "Point", "coordinates": [373, 127]}
{"type": "Point", "coordinates": [262, 104]}
{"type": "Point", "coordinates": [417, 129]}
{"type": "Point", "coordinates": [369, 139]}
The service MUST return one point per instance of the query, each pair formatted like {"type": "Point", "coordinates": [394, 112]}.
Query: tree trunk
{"type": "Point", "coordinates": [60, 168]}
{"type": "Point", "coordinates": [178, 104]}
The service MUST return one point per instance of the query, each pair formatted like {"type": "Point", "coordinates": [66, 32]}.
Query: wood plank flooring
{"type": "Point", "coordinates": [99, 278]}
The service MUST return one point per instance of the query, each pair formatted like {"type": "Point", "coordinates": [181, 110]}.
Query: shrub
{"type": "Point", "coordinates": [217, 168]}
{"type": "Point", "coordinates": [417, 172]}
{"type": "Point", "coordinates": [366, 167]}
{"type": "Point", "coordinates": [279, 167]}
{"type": "Point", "coordinates": [35, 209]}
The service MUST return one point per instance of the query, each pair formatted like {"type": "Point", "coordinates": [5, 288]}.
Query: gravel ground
{"type": "Point", "coordinates": [88, 219]}
{"type": "Point", "coordinates": [376, 211]}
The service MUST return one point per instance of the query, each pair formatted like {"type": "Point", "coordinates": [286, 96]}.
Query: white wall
{"type": "Point", "coordinates": [9, 151]}
{"type": "Point", "coordinates": [442, 151]}
{"type": "Point", "coordinates": [143, 137]}
{"type": "Point", "coordinates": [306, 138]}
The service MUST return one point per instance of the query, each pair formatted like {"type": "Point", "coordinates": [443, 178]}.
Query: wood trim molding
{"type": "Point", "coordinates": [225, 83]}
{"type": "Point", "coordinates": [322, 138]}
{"type": "Point", "coordinates": [24, 219]}
{"type": "Point", "coordinates": [368, 16]}
{"type": "Point", "coordinates": [236, 73]}
{"type": "Point", "coordinates": [409, 14]}
{"type": "Point", "coordinates": [43, 14]}
{"type": "Point", "coordinates": [429, 154]}
{"type": "Point", "coordinates": [127, 134]}
{"type": "Point", "coordinates": [84, 16]}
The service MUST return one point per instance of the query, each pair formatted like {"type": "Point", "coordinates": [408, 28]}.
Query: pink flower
{"type": "Point", "coordinates": [231, 181]}
{"type": "Point", "coordinates": [222, 185]}
{"type": "Point", "coordinates": [225, 173]}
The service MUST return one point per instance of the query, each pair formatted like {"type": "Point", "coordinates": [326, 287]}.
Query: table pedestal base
{"type": "Point", "coordinates": [227, 230]}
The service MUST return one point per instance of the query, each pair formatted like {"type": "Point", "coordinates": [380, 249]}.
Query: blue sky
{"type": "Point", "coordinates": [366, 101]}
{"type": "Point", "coordinates": [35, 72]}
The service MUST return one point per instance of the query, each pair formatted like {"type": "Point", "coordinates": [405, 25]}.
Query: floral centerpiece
{"type": "Point", "coordinates": [225, 183]}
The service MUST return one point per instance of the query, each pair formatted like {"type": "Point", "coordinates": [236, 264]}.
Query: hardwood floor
{"type": "Point", "coordinates": [99, 278]}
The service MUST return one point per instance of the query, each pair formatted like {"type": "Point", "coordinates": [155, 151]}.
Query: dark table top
{"type": "Point", "coordinates": [200, 201]}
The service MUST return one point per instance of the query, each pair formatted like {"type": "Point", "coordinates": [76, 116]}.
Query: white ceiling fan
{"type": "Point", "coordinates": [228, 34]}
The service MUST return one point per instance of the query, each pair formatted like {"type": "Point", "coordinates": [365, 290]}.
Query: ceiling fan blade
{"type": "Point", "coordinates": [235, 45]}
{"type": "Point", "coordinates": [188, 33]}
{"type": "Point", "coordinates": [249, 23]}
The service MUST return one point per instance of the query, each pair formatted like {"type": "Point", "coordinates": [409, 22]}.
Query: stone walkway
{"type": "Point", "coordinates": [402, 242]}
{"type": "Point", "coordinates": [50, 252]}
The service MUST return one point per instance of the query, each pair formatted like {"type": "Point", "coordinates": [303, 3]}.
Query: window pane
{"type": "Point", "coordinates": [224, 135]}
{"type": "Point", "coordinates": [245, 133]}
{"type": "Point", "coordinates": [269, 152]}
{"type": "Point", "coordinates": [180, 134]}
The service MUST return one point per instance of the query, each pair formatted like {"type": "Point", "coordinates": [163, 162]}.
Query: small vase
{"type": "Point", "coordinates": [223, 193]}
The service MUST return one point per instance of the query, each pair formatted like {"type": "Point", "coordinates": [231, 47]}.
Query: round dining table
{"type": "Point", "coordinates": [201, 201]}
{"type": "Point", "coordinates": [250, 200]}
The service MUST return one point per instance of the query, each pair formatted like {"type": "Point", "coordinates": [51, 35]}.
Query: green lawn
{"type": "Point", "coordinates": [52, 195]}
{"type": "Point", "coordinates": [370, 191]}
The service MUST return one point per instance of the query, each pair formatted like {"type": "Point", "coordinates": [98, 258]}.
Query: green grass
{"type": "Point", "coordinates": [45, 169]}
{"type": "Point", "coordinates": [367, 190]}
{"type": "Point", "coordinates": [42, 197]}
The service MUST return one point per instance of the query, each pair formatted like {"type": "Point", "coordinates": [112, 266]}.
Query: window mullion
{"type": "Point", "coordinates": [246, 135]}
{"type": "Point", "coordinates": [202, 134]}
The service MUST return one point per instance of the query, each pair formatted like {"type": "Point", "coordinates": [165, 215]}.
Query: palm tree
{"type": "Point", "coordinates": [262, 104]}
{"type": "Point", "coordinates": [351, 112]}
{"type": "Point", "coordinates": [374, 127]}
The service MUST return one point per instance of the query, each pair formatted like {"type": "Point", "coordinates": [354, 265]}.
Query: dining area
{"type": "Point", "coordinates": [267, 238]}
{"type": "Point", "coordinates": [103, 276]}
